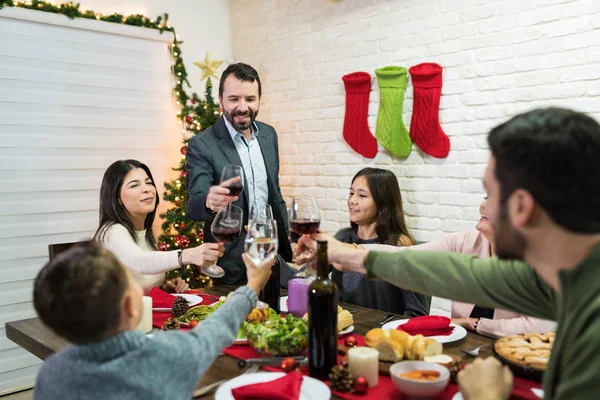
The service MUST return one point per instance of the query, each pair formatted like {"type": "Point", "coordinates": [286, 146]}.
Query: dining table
{"type": "Point", "coordinates": [35, 337]}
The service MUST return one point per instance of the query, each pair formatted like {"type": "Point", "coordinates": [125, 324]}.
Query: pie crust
{"type": "Point", "coordinates": [528, 349]}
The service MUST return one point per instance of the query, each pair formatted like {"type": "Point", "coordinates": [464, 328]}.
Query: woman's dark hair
{"type": "Point", "coordinates": [78, 293]}
{"type": "Point", "coordinates": [390, 224]}
{"type": "Point", "coordinates": [112, 211]}
{"type": "Point", "coordinates": [243, 72]}
{"type": "Point", "coordinates": [554, 154]}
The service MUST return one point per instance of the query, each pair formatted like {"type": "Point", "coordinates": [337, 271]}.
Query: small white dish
{"type": "Point", "coordinates": [458, 333]}
{"type": "Point", "coordinates": [311, 389]}
{"type": "Point", "coordinates": [346, 330]}
{"type": "Point", "coordinates": [192, 300]}
{"type": "Point", "coordinates": [415, 388]}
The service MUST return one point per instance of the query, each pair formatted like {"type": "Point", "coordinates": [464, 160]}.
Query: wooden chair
{"type": "Point", "coordinates": [56, 249]}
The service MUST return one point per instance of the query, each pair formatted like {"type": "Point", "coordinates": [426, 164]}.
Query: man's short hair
{"type": "Point", "coordinates": [243, 72]}
{"type": "Point", "coordinates": [554, 154]}
{"type": "Point", "coordinates": [78, 293]}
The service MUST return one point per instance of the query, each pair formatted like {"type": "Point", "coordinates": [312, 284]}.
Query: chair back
{"type": "Point", "coordinates": [56, 249]}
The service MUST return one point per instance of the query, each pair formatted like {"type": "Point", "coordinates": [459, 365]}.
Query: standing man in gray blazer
{"type": "Point", "coordinates": [237, 138]}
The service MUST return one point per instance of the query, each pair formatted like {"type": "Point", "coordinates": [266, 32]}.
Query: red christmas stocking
{"type": "Point", "coordinates": [425, 129]}
{"type": "Point", "coordinates": [356, 126]}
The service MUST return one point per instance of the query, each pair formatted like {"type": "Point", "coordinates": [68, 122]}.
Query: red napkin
{"type": "Point", "coordinates": [431, 325]}
{"type": "Point", "coordinates": [160, 298]}
{"type": "Point", "coordinates": [285, 388]}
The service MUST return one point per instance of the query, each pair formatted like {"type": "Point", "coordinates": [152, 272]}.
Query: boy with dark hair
{"type": "Point", "coordinates": [86, 296]}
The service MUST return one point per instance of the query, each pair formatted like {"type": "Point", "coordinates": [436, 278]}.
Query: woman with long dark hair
{"type": "Point", "coordinates": [128, 202]}
{"type": "Point", "coordinates": [377, 216]}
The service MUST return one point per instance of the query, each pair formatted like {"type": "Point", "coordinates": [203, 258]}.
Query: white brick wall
{"type": "Point", "coordinates": [499, 57]}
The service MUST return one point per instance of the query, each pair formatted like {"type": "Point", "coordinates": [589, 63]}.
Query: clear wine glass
{"type": "Point", "coordinates": [260, 212]}
{"type": "Point", "coordinates": [305, 219]}
{"type": "Point", "coordinates": [229, 172]}
{"type": "Point", "coordinates": [226, 227]}
{"type": "Point", "coordinates": [261, 241]}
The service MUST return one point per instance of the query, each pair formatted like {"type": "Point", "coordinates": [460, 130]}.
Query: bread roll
{"type": "Point", "coordinates": [443, 359]}
{"type": "Point", "coordinates": [394, 345]}
{"type": "Point", "coordinates": [345, 319]}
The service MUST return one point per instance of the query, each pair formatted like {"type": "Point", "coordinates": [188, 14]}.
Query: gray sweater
{"type": "Point", "coordinates": [132, 366]}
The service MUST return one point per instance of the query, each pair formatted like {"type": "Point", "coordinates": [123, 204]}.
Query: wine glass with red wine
{"type": "Point", "coordinates": [233, 171]}
{"type": "Point", "coordinates": [305, 217]}
{"type": "Point", "coordinates": [226, 227]}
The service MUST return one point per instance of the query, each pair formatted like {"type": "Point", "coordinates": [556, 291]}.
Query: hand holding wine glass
{"type": "Point", "coordinates": [226, 227]}
{"type": "Point", "coordinates": [229, 179]}
{"type": "Point", "coordinates": [260, 246]}
{"type": "Point", "coordinates": [305, 219]}
{"type": "Point", "coordinates": [232, 184]}
{"type": "Point", "coordinates": [258, 275]}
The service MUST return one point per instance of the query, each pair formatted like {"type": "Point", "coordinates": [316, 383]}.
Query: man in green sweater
{"type": "Point", "coordinates": [543, 185]}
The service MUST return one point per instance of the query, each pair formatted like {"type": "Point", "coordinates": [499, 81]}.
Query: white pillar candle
{"type": "Point", "coordinates": [364, 361]}
{"type": "Point", "coordinates": [146, 321]}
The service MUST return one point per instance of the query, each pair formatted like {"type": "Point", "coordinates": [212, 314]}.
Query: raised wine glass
{"type": "Point", "coordinates": [261, 241]}
{"type": "Point", "coordinates": [229, 172]}
{"type": "Point", "coordinates": [259, 212]}
{"type": "Point", "coordinates": [226, 227]}
{"type": "Point", "coordinates": [305, 219]}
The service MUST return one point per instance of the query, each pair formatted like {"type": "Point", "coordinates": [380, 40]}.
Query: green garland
{"type": "Point", "coordinates": [72, 11]}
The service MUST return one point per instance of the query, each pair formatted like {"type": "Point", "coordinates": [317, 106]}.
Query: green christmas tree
{"type": "Point", "coordinates": [178, 230]}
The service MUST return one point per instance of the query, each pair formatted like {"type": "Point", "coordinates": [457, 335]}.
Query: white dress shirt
{"type": "Point", "coordinates": [253, 164]}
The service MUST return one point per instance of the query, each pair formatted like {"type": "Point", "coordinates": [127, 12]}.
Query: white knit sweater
{"type": "Point", "coordinates": [146, 265]}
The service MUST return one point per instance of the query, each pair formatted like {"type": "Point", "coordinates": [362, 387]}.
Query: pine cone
{"type": "Point", "coordinates": [180, 307]}
{"type": "Point", "coordinates": [170, 323]}
{"type": "Point", "coordinates": [340, 379]}
{"type": "Point", "coordinates": [455, 367]}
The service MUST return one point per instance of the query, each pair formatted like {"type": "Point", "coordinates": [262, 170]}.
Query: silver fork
{"type": "Point", "coordinates": [475, 351]}
{"type": "Point", "coordinates": [208, 388]}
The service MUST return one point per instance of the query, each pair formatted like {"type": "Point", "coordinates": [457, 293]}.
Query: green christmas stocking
{"type": "Point", "coordinates": [391, 131]}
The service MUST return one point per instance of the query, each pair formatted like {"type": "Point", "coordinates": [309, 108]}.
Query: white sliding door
{"type": "Point", "coordinates": [75, 95]}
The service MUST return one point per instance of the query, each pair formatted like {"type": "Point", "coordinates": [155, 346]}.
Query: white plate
{"type": "Point", "coordinates": [311, 389]}
{"type": "Point", "coordinates": [346, 330]}
{"type": "Point", "coordinates": [192, 299]}
{"type": "Point", "coordinates": [458, 333]}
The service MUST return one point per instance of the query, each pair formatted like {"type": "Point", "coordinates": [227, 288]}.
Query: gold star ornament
{"type": "Point", "coordinates": [208, 66]}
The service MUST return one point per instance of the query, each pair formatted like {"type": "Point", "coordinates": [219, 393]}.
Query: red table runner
{"type": "Point", "coordinates": [386, 388]}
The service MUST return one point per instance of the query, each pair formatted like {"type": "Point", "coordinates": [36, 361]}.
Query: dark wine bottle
{"type": "Point", "coordinates": [322, 319]}
{"type": "Point", "coordinates": [271, 291]}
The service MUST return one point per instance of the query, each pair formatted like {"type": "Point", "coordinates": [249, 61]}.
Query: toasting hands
{"type": "Point", "coordinates": [219, 195]}
{"type": "Point", "coordinates": [343, 256]}
{"type": "Point", "coordinates": [258, 275]}
{"type": "Point", "coordinates": [203, 255]}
